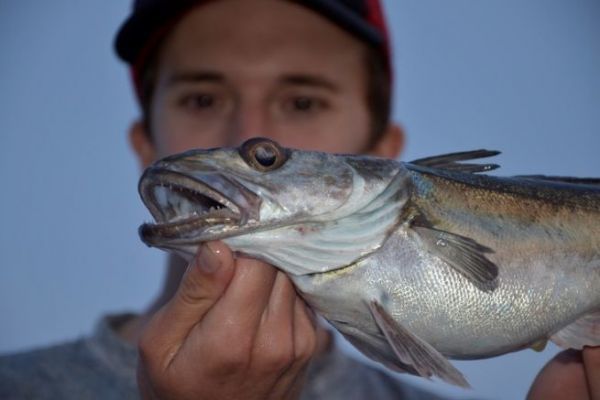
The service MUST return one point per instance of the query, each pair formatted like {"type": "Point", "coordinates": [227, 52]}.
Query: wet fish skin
{"type": "Point", "coordinates": [413, 262]}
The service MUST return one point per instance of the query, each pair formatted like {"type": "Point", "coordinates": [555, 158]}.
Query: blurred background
{"type": "Point", "coordinates": [520, 77]}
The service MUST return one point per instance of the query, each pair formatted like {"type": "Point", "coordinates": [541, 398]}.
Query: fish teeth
{"type": "Point", "coordinates": [161, 197]}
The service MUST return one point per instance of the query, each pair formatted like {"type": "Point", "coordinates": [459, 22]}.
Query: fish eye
{"type": "Point", "coordinates": [263, 154]}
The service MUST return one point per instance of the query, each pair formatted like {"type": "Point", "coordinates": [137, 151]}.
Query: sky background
{"type": "Point", "coordinates": [520, 77]}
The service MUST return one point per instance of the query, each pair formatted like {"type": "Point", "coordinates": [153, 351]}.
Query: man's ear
{"type": "Point", "coordinates": [390, 144]}
{"type": "Point", "coordinates": [141, 143]}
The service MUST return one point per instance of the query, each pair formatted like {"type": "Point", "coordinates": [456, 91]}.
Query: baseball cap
{"type": "Point", "coordinates": [150, 20]}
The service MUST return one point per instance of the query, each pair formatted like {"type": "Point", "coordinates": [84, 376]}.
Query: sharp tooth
{"type": "Point", "coordinates": [184, 207]}
{"type": "Point", "coordinates": [161, 196]}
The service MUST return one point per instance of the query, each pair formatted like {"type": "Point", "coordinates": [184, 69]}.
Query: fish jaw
{"type": "Point", "coordinates": [190, 209]}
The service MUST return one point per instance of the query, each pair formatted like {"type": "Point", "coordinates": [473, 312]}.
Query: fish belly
{"type": "Point", "coordinates": [535, 297]}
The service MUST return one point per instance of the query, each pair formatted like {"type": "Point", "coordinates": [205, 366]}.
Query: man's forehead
{"type": "Point", "coordinates": [287, 43]}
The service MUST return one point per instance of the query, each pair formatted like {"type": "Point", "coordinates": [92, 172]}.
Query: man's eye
{"type": "Point", "coordinates": [198, 101]}
{"type": "Point", "coordinates": [305, 104]}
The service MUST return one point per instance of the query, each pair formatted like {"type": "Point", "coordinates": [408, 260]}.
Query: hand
{"type": "Point", "coordinates": [235, 329]}
{"type": "Point", "coordinates": [571, 374]}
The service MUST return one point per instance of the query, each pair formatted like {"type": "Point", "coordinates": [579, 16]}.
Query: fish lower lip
{"type": "Point", "coordinates": [189, 229]}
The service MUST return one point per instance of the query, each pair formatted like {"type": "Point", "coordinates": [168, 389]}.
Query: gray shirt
{"type": "Point", "coordinates": [102, 366]}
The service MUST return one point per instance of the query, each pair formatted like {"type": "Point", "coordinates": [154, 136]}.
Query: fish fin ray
{"type": "Point", "coordinates": [463, 254]}
{"type": "Point", "coordinates": [415, 352]}
{"type": "Point", "coordinates": [562, 179]}
{"type": "Point", "coordinates": [363, 343]}
{"type": "Point", "coordinates": [539, 345]}
{"type": "Point", "coordinates": [585, 331]}
{"type": "Point", "coordinates": [452, 161]}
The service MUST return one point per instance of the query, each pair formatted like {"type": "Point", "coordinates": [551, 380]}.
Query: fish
{"type": "Point", "coordinates": [415, 263]}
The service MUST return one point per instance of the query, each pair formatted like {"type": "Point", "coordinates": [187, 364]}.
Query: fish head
{"type": "Point", "coordinates": [263, 200]}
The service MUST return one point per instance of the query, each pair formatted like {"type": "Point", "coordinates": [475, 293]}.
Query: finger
{"type": "Point", "coordinates": [281, 299]}
{"type": "Point", "coordinates": [562, 378]}
{"type": "Point", "coordinates": [304, 336]}
{"type": "Point", "coordinates": [274, 344]}
{"type": "Point", "coordinates": [288, 337]}
{"type": "Point", "coordinates": [202, 285]}
{"type": "Point", "coordinates": [305, 331]}
{"type": "Point", "coordinates": [293, 389]}
{"type": "Point", "coordinates": [272, 352]}
{"type": "Point", "coordinates": [228, 332]}
{"type": "Point", "coordinates": [243, 303]}
{"type": "Point", "coordinates": [291, 380]}
{"type": "Point", "coordinates": [591, 362]}
{"type": "Point", "coordinates": [276, 326]}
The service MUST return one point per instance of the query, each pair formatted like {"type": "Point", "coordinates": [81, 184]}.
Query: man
{"type": "Point", "coordinates": [309, 74]}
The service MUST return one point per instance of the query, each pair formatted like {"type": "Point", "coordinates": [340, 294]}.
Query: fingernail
{"type": "Point", "coordinates": [207, 258]}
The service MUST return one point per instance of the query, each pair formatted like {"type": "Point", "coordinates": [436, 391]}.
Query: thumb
{"type": "Point", "coordinates": [203, 283]}
{"type": "Point", "coordinates": [205, 279]}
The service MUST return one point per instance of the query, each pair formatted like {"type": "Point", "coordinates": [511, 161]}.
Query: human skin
{"type": "Point", "coordinates": [234, 327]}
{"type": "Point", "coordinates": [570, 375]}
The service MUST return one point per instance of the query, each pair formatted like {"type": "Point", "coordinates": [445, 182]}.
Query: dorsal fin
{"type": "Point", "coordinates": [453, 161]}
{"type": "Point", "coordinates": [562, 179]}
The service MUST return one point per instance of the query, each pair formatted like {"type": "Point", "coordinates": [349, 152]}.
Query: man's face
{"type": "Point", "coordinates": [231, 70]}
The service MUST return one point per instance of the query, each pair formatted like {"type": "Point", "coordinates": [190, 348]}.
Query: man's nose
{"type": "Point", "coordinates": [249, 120]}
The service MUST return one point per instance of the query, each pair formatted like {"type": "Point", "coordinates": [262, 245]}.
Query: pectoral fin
{"type": "Point", "coordinates": [413, 351]}
{"type": "Point", "coordinates": [464, 254]}
{"type": "Point", "coordinates": [583, 332]}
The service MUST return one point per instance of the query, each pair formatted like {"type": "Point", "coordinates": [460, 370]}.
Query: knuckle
{"type": "Point", "coordinates": [191, 291]}
{"type": "Point", "coordinates": [233, 357]}
{"type": "Point", "coordinates": [279, 356]}
{"type": "Point", "coordinates": [145, 348]}
{"type": "Point", "coordinates": [307, 346]}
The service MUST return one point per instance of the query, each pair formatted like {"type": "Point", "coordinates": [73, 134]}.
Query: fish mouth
{"type": "Point", "coordinates": [189, 209]}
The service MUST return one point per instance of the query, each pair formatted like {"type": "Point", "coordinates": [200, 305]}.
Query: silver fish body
{"type": "Point", "coordinates": [413, 262]}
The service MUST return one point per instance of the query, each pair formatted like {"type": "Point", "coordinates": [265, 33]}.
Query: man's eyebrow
{"type": "Point", "coordinates": [195, 76]}
{"type": "Point", "coordinates": [309, 81]}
